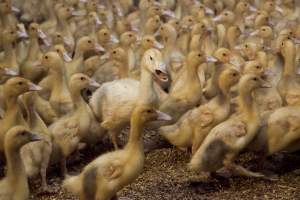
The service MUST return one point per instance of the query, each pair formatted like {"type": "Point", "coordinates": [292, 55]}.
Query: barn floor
{"type": "Point", "coordinates": [166, 176]}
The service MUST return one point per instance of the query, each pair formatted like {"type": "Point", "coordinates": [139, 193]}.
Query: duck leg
{"type": "Point", "coordinates": [44, 166]}
{"type": "Point", "coordinates": [113, 137]}
{"type": "Point", "coordinates": [237, 169]}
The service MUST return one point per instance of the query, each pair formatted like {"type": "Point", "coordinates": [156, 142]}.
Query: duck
{"type": "Point", "coordinates": [152, 25]}
{"type": "Point", "coordinates": [288, 85]}
{"type": "Point", "coordinates": [106, 39]}
{"type": "Point", "coordinates": [10, 58]}
{"type": "Point", "coordinates": [184, 33]}
{"type": "Point", "coordinates": [60, 49]}
{"type": "Point", "coordinates": [83, 45]}
{"type": "Point", "coordinates": [36, 155]}
{"type": "Point", "coordinates": [31, 67]}
{"type": "Point", "coordinates": [14, 185]}
{"type": "Point", "coordinates": [50, 24]}
{"type": "Point", "coordinates": [13, 88]}
{"type": "Point", "coordinates": [55, 86]}
{"type": "Point", "coordinates": [114, 101]}
{"type": "Point", "coordinates": [127, 41]}
{"type": "Point", "coordinates": [110, 172]}
{"type": "Point", "coordinates": [192, 128]}
{"type": "Point", "coordinates": [186, 92]}
{"type": "Point", "coordinates": [226, 140]}
{"type": "Point", "coordinates": [73, 127]}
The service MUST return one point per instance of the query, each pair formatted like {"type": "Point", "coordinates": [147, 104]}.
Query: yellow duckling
{"type": "Point", "coordinates": [15, 185]}
{"type": "Point", "coordinates": [106, 175]}
{"type": "Point", "coordinates": [55, 86]}
{"type": "Point", "coordinates": [225, 141]}
{"type": "Point", "coordinates": [31, 67]}
{"type": "Point", "coordinates": [36, 155]}
{"type": "Point", "coordinates": [192, 128]}
{"type": "Point", "coordinates": [12, 89]}
{"type": "Point", "coordinates": [73, 127]}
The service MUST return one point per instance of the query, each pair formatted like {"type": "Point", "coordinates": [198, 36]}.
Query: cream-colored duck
{"type": "Point", "coordinates": [127, 42]}
{"type": "Point", "coordinates": [106, 39]}
{"type": "Point", "coordinates": [192, 128]}
{"type": "Point", "coordinates": [83, 45]}
{"type": "Point", "coordinates": [225, 141]}
{"type": "Point", "coordinates": [184, 33]}
{"type": "Point", "coordinates": [186, 92]}
{"type": "Point", "coordinates": [12, 89]}
{"type": "Point", "coordinates": [55, 87]}
{"type": "Point", "coordinates": [74, 127]}
{"type": "Point", "coordinates": [15, 185]}
{"type": "Point", "coordinates": [31, 67]}
{"type": "Point", "coordinates": [114, 101]}
{"type": "Point", "coordinates": [288, 85]}
{"type": "Point", "coordinates": [8, 19]}
{"type": "Point", "coordinates": [36, 155]}
{"type": "Point", "coordinates": [106, 175]}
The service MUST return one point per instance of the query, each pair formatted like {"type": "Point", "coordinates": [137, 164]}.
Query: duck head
{"type": "Point", "coordinates": [253, 67]}
{"type": "Point", "coordinates": [153, 62]}
{"type": "Point", "coordinates": [195, 58]}
{"type": "Point", "coordinates": [53, 62]}
{"type": "Point", "coordinates": [168, 33]}
{"type": "Point", "coordinates": [9, 36]}
{"type": "Point", "coordinates": [249, 49]}
{"type": "Point", "coordinates": [263, 32]}
{"type": "Point", "coordinates": [86, 43]}
{"type": "Point", "coordinates": [94, 19]}
{"type": "Point", "coordinates": [60, 49]}
{"type": "Point", "coordinates": [81, 81]}
{"type": "Point", "coordinates": [225, 17]}
{"type": "Point", "coordinates": [128, 38]}
{"type": "Point", "coordinates": [105, 36]}
{"type": "Point", "coordinates": [148, 42]}
{"type": "Point", "coordinates": [7, 72]}
{"type": "Point", "coordinates": [146, 113]}
{"type": "Point", "coordinates": [35, 31]}
{"type": "Point", "coordinates": [153, 23]}
{"type": "Point", "coordinates": [187, 22]}
{"type": "Point", "coordinates": [18, 136]}
{"type": "Point", "coordinates": [223, 55]}
{"type": "Point", "coordinates": [229, 77]}
{"type": "Point", "coordinates": [16, 86]}
{"type": "Point", "coordinates": [250, 82]}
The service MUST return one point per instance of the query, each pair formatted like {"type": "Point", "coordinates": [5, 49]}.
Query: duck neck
{"type": "Point", "coordinates": [224, 88]}
{"type": "Point", "coordinates": [10, 53]}
{"type": "Point", "coordinates": [78, 53]}
{"type": "Point", "coordinates": [192, 71]}
{"type": "Point", "coordinates": [33, 48]}
{"type": "Point", "coordinates": [135, 140]}
{"type": "Point", "coordinates": [76, 97]}
{"type": "Point", "coordinates": [147, 92]}
{"type": "Point", "coordinates": [11, 101]}
{"type": "Point", "coordinates": [123, 68]}
{"type": "Point", "coordinates": [289, 65]}
{"type": "Point", "coordinates": [64, 25]}
{"type": "Point", "coordinates": [246, 103]}
{"type": "Point", "coordinates": [15, 167]}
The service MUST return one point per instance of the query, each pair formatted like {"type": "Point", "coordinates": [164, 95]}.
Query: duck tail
{"type": "Point", "coordinates": [72, 184]}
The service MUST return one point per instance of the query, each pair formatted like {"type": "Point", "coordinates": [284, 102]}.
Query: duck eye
{"type": "Point", "coordinates": [257, 67]}
{"type": "Point", "coordinates": [190, 20]}
{"type": "Point", "coordinates": [255, 79]}
{"type": "Point", "coordinates": [23, 133]}
{"type": "Point", "coordinates": [151, 58]}
{"type": "Point", "coordinates": [130, 35]}
{"type": "Point", "coordinates": [263, 29]}
{"type": "Point", "coordinates": [82, 78]}
{"type": "Point", "coordinates": [234, 74]}
{"type": "Point", "coordinates": [177, 23]}
{"type": "Point", "coordinates": [114, 52]}
{"type": "Point", "coordinates": [148, 40]}
{"type": "Point", "coordinates": [202, 26]}
{"type": "Point", "coordinates": [89, 41]}
{"type": "Point", "coordinates": [149, 111]}
{"type": "Point", "coordinates": [225, 14]}
{"type": "Point", "coordinates": [11, 32]}
{"type": "Point", "coordinates": [57, 50]}
{"type": "Point", "coordinates": [58, 36]}
{"type": "Point", "coordinates": [46, 57]}
{"type": "Point", "coordinates": [199, 55]}
{"type": "Point", "coordinates": [224, 54]}
{"type": "Point", "coordinates": [104, 33]}
{"type": "Point", "coordinates": [20, 83]}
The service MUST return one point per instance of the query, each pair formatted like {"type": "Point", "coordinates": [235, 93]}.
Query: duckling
{"type": "Point", "coordinates": [112, 171]}
{"type": "Point", "coordinates": [226, 140]}
{"type": "Point", "coordinates": [83, 45]}
{"type": "Point", "coordinates": [14, 185]}
{"type": "Point", "coordinates": [186, 93]}
{"type": "Point", "coordinates": [184, 33]}
{"type": "Point", "coordinates": [36, 155]}
{"type": "Point", "coordinates": [50, 24]}
{"type": "Point", "coordinates": [9, 60]}
{"type": "Point", "coordinates": [127, 40]}
{"type": "Point", "coordinates": [113, 101]}
{"type": "Point", "coordinates": [192, 128]}
{"type": "Point", "coordinates": [55, 88]}
{"type": "Point", "coordinates": [60, 49]}
{"type": "Point", "coordinates": [152, 25]}
{"type": "Point", "coordinates": [14, 87]}
{"type": "Point", "coordinates": [31, 67]}
{"type": "Point", "coordinates": [73, 127]}
{"type": "Point", "coordinates": [106, 39]}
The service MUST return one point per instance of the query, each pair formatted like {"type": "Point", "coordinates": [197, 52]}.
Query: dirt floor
{"type": "Point", "coordinates": [166, 176]}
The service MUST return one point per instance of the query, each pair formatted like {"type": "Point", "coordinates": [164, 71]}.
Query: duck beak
{"type": "Point", "coordinates": [35, 137]}
{"type": "Point", "coordinates": [15, 9]}
{"type": "Point", "coordinates": [22, 34]}
{"type": "Point", "coordinates": [265, 84]}
{"type": "Point", "coordinates": [254, 33]}
{"type": "Point", "coordinates": [114, 39]}
{"type": "Point", "coordinates": [252, 8]}
{"type": "Point", "coordinates": [78, 13]}
{"type": "Point", "coordinates": [161, 72]}
{"type": "Point", "coordinates": [209, 11]}
{"type": "Point", "coordinates": [105, 56]}
{"type": "Point", "coordinates": [41, 34]}
{"type": "Point", "coordinates": [251, 17]}
{"type": "Point", "coordinates": [217, 18]}
{"type": "Point", "coordinates": [10, 72]}
{"type": "Point", "coordinates": [238, 47]}
{"type": "Point", "coordinates": [66, 57]}
{"type": "Point", "coordinates": [280, 10]}
{"type": "Point", "coordinates": [98, 21]}
{"type": "Point", "coordinates": [169, 13]}
{"type": "Point", "coordinates": [211, 59]}
{"type": "Point", "coordinates": [34, 87]}
{"type": "Point", "coordinates": [158, 45]}
{"type": "Point", "coordinates": [99, 48]}
{"type": "Point", "coordinates": [93, 83]}
{"type": "Point", "coordinates": [161, 116]}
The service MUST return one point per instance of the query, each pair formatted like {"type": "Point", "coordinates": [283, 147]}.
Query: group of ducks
{"type": "Point", "coordinates": [223, 75]}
